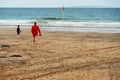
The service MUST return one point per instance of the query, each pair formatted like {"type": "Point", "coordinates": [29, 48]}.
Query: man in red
{"type": "Point", "coordinates": [35, 31]}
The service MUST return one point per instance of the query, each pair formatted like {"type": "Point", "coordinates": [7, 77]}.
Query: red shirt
{"type": "Point", "coordinates": [35, 30]}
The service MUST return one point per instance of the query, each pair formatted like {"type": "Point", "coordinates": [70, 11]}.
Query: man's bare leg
{"type": "Point", "coordinates": [34, 39]}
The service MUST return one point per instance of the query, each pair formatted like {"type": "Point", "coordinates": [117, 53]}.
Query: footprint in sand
{"type": "Point", "coordinates": [15, 55]}
{"type": "Point", "coordinates": [5, 46]}
{"type": "Point", "coordinates": [2, 56]}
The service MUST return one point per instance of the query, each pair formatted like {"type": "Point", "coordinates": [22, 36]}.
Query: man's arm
{"type": "Point", "coordinates": [39, 31]}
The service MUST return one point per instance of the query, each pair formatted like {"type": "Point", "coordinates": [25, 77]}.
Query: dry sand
{"type": "Point", "coordinates": [59, 56]}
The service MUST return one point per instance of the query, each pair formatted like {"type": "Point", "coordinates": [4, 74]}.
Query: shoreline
{"type": "Point", "coordinates": [69, 26]}
{"type": "Point", "coordinates": [72, 29]}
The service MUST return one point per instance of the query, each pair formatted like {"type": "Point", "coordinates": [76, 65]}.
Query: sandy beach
{"type": "Point", "coordinates": [59, 56]}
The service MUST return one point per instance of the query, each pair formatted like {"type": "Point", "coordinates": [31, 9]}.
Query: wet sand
{"type": "Point", "coordinates": [59, 56]}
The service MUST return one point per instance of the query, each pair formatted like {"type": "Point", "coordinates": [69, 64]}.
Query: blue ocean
{"type": "Point", "coordinates": [89, 19]}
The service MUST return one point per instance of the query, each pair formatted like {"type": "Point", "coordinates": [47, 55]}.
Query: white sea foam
{"type": "Point", "coordinates": [85, 24]}
{"type": "Point", "coordinates": [61, 23]}
{"type": "Point", "coordinates": [15, 22]}
{"type": "Point", "coordinates": [65, 25]}
{"type": "Point", "coordinates": [113, 27]}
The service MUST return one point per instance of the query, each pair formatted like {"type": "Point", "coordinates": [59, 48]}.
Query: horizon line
{"type": "Point", "coordinates": [59, 7]}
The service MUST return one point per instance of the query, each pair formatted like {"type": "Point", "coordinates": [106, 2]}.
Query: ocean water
{"type": "Point", "coordinates": [74, 19]}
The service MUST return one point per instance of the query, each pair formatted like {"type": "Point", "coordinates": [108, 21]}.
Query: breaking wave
{"type": "Point", "coordinates": [64, 25]}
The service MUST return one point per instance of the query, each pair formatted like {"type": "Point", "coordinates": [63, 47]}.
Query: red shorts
{"type": "Point", "coordinates": [35, 34]}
